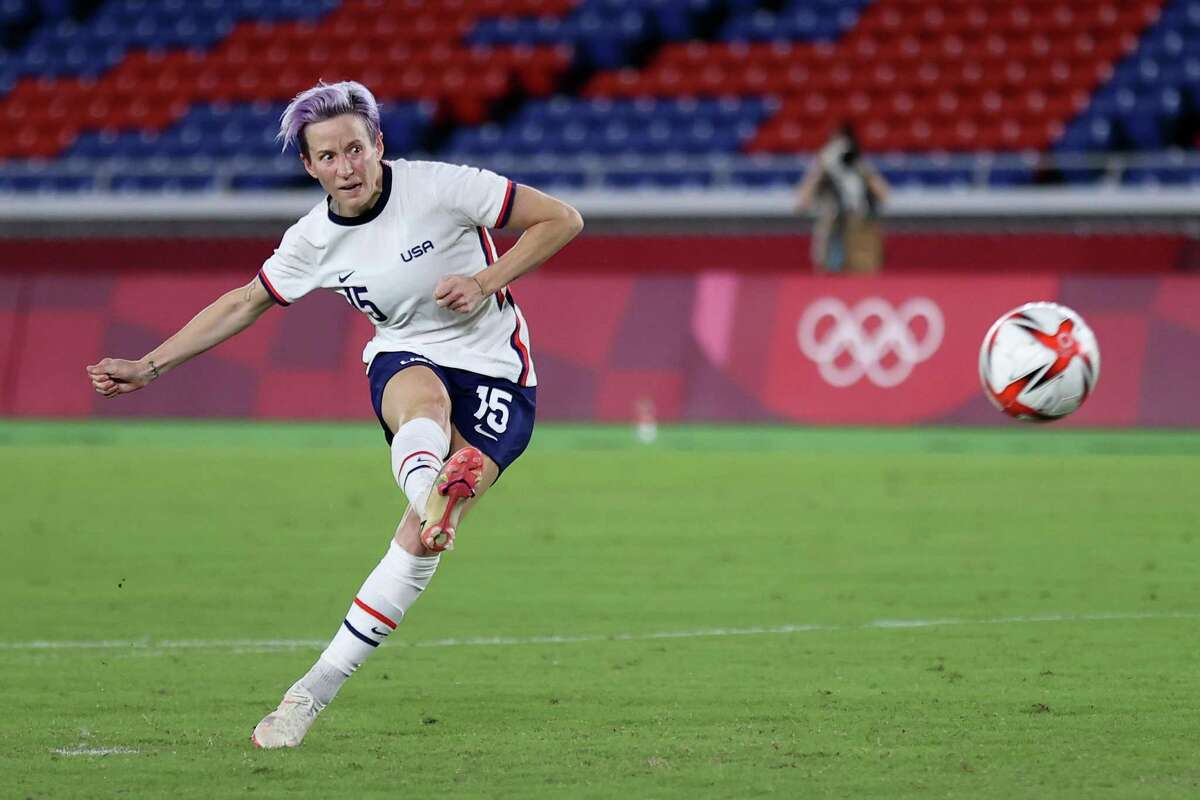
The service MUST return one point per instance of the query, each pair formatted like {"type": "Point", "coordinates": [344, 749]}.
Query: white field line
{"type": "Point", "coordinates": [80, 750]}
{"type": "Point", "coordinates": [260, 645]}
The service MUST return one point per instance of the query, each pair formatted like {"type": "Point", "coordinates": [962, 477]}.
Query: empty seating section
{"type": "Point", "coordinates": [1151, 101]}
{"type": "Point", "coordinates": [238, 138]}
{"type": "Point", "coordinates": [644, 126]}
{"type": "Point", "coordinates": [604, 34]}
{"type": "Point", "coordinates": [139, 72]}
{"type": "Point", "coordinates": [913, 76]}
{"type": "Point", "coordinates": [796, 21]}
{"type": "Point", "coordinates": [181, 95]}
{"type": "Point", "coordinates": [65, 46]}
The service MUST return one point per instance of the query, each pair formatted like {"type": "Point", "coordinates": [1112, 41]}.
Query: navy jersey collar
{"type": "Point", "coordinates": [372, 212]}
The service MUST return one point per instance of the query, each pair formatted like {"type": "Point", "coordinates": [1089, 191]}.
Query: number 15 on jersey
{"type": "Point", "coordinates": [357, 297]}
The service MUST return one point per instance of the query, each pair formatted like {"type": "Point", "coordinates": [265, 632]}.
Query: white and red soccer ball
{"type": "Point", "coordinates": [1039, 362]}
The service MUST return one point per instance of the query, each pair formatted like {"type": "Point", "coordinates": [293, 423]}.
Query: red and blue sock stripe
{"type": "Point", "coordinates": [391, 626]}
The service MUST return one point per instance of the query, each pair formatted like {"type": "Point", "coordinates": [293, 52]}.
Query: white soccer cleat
{"type": "Point", "coordinates": [287, 724]}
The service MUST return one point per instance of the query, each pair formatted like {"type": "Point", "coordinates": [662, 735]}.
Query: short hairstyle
{"type": "Point", "coordinates": [326, 101]}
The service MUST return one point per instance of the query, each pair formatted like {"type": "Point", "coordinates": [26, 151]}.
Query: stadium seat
{"type": "Point", "coordinates": [696, 78]}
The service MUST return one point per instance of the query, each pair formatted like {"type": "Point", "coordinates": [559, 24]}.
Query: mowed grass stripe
{"type": "Point", "coordinates": [1007, 437]}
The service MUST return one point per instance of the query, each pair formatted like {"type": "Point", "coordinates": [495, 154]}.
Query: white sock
{"type": "Point", "coordinates": [391, 588]}
{"type": "Point", "coordinates": [323, 682]}
{"type": "Point", "coordinates": [418, 450]}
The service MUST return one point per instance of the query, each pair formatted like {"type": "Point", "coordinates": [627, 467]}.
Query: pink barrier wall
{"type": "Point", "coordinates": [998, 253]}
{"type": "Point", "coordinates": [715, 345]}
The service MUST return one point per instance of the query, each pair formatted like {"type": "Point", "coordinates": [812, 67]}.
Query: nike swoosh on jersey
{"type": "Point", "coordinates": [479, 429]}
{"type": "Point", "coordinates": [346, 277]}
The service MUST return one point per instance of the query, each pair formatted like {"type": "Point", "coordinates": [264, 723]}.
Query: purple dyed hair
{"type": "Point", "coordinates": [326, 101]}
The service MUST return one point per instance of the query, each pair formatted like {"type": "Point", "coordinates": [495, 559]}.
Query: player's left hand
{"type": "Point", "coordinates": [459, 293]}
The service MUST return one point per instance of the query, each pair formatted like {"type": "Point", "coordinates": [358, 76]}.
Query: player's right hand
{"type": "Point", "coordinates": [461, 293]}
{"type": "Point", "coordinates": [116, 376]}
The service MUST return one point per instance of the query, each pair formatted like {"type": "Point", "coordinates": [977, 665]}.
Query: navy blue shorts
{"type": "Point", "coordinates": [493, 414]}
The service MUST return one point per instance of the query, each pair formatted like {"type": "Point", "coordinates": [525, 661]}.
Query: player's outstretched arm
{"type": "Point", "coordinates": [806, 192]}
{"type": "Point", "coordinates": [230, 314]}
{"type": "Point", "coordinates": [548, 224]}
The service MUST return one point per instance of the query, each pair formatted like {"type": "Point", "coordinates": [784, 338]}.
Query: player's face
{"type": "Point", "coordinates": [346, 162]}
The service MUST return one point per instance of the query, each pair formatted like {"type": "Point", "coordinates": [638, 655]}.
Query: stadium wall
{"type": "Point", "coordinates": [716, 328]}
{"type": "Point", "coordinates": [759, 253]}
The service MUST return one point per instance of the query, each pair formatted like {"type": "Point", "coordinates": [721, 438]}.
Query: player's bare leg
{"type": "Point", "coordinates": [416, 408]}
{"type": "Point", "coordinates": [465, 477]}
{"type": "Point", "coordinates": [396, 582]}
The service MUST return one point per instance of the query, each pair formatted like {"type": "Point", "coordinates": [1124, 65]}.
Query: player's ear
{"type": "Point", "coordinates": [379, 143]}
{"type": "Point", "coordinates": [308, 167]}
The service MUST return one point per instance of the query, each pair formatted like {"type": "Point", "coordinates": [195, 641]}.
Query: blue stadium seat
{"type": "Point", "coordinates": [62, 45]}
{"type": "Point", "coordinates": [248, 130]}
{"type": "Point", "coordinates": [798, 20]}
{"type": "Point", "coordinates": [1009, 176]}
{"type": "Point", "coordinates": [550, 179]}
{"type": "Point", "coordinates": [677, 20]}
{"type": "Point", "coordinates": [1151, 102]}
{"type": "Point", "coordinates": [46, 184]}
{"type": "Point", "coordinates": [605, 34]}
{"type": "Point", "coordinates": [1148, 91]}
{"type": "Point", "coordinates": [1081, 176]}
{"type": "Point", "coordinates": [918, 171]}
{"type": "Point", "coordinates": [643, 126]}
{"type": "Point", "coordinates": [665, 179]}
{"type": "Point", "coordinates": [766, 178]}
{"type": "Point", "coordinates": [166, 183]}
{"type": "Point", "coordinates": [15, 13]}
{"type": "Point", "coordinates": [1089, 133]}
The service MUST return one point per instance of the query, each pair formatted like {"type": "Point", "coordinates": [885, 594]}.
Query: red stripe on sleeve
{"type": "Point", "coordinates": [506, 206]}
{"type": "Point", "coordinates": [374, 613]}
{"type": "Point", "coordinates": [276, 296]}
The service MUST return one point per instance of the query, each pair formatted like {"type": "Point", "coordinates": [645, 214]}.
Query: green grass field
{"type": "Point", "coordinates": [729, 613]}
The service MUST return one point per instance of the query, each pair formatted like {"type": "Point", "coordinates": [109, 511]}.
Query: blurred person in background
{"type": "Point", "coordinates": [449, 368]}
{"type": "Point", "coordinates": [845, 193]}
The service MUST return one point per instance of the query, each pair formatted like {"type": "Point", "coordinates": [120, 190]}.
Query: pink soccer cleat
{"type": "Point", "coordinates": [456, 483]}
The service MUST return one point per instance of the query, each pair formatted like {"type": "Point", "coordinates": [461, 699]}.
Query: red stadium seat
{"type": "Point", "coordinates": [273, 60]}
{"type": "Point", "coordinates": [916, 74]}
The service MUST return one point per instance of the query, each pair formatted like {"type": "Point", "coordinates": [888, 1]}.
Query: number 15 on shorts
{"type": "Point", "coordinates": [493, 410]}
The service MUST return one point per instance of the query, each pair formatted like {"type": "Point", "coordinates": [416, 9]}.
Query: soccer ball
{"type": "Point", "coordinates": [1039, 362]}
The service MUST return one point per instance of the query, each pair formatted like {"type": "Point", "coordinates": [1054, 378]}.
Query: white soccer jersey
{"type": "Point", "coordinates": [431, 220]}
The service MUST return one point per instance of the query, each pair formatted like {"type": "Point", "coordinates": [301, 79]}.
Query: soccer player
{"type": "Point", "coordinates": [449, 367]}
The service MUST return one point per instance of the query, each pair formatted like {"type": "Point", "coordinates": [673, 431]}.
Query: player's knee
{"type": "Point", "coordinates": [416, 396]}
{"type": "Point", "coordinates": [427, 405]}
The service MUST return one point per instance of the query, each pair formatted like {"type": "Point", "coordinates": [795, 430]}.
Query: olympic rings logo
{"type": "Point", "coordinates": [869, 345]}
